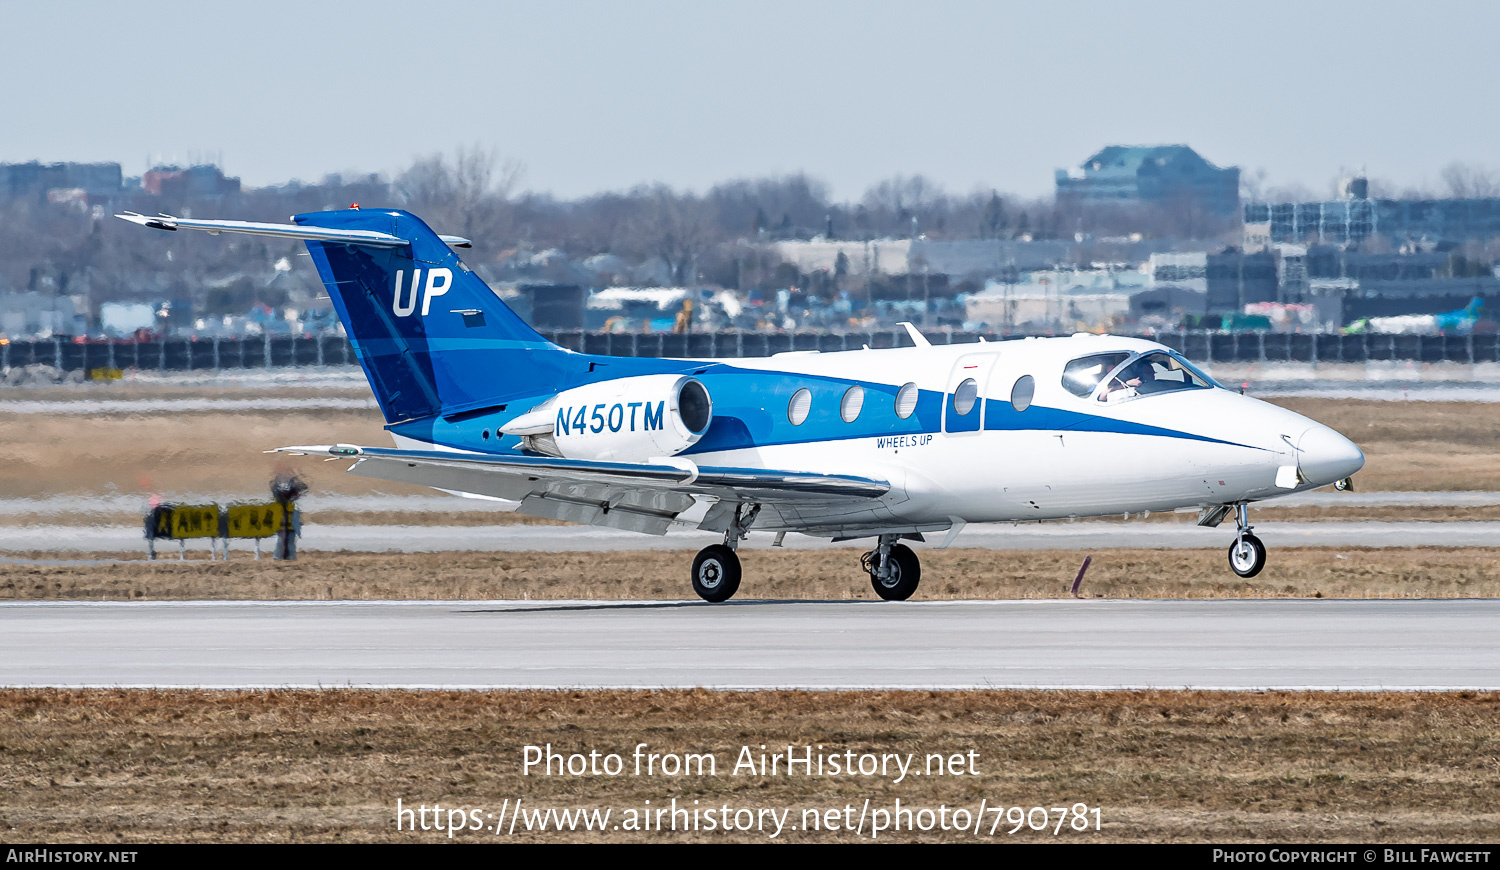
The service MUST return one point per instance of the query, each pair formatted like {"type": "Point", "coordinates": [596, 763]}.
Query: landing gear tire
{"type": "Point", "coordinates": [716, 573]}
{"type": "Point", "coordinates": [900, 582]}
{"type": "Point", "coordinates": [1247, 556]}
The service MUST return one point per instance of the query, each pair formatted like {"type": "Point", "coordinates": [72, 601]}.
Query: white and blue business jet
{"type": "Point", "coordinates": [881, 444]}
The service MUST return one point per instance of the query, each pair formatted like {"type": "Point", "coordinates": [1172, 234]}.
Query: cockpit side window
{"type": "Point", "coordinates": [1155, 372]}
{"type": "Point", "coordinates": [1182, 361]}
{"type": "Point", "coordinates": [1082, 375]}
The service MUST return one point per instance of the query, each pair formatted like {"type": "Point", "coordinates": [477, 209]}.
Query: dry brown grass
{"type": "Point", "coordinates": [1428, 572]}
{"type": "Point", "coordinates": [1399, 514]}
{"type": "Point", "coordinates": [198, 452]}
{"type": "Point", "coordinates": [122, 766]}
{"type": "Point", "coordinates": [1416, 445]}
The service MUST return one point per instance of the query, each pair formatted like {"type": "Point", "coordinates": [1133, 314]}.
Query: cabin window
{"type": "Point", "coordinates": [852, 403]}
{"type": "Point", "coordinates": [1082, 375]}
{"type": "Point", "coordinates": [797, 408]}
{"type": "Point", "coordinates": [1022, 393]}
{"type": "Point", "coordinates": [906, 401]}
{"type": "Point", "coordinates": [964, 396]}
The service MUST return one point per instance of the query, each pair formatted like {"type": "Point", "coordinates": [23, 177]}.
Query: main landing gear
{"type": "Point", "coordinates": [1247, 555]}
{"type": "Point", "coordinates": [716, 571]}
{"type": "Point", "coordinates": [894, 569]}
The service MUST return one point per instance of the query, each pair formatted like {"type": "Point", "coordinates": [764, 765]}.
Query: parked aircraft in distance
{"type": "Point", "coordinates": [883, 444]}
{"type": "Point", "coordinates": [1459, 321]}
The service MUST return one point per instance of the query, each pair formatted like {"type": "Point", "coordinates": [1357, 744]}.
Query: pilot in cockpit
{"type": "Point", "coordinates": [1129, 382]}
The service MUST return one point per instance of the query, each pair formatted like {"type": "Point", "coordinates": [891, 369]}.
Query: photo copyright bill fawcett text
{"type": "Point", "coordinates": [871, 818]}
{"type": "Point", "coordinates": [1345, 855]}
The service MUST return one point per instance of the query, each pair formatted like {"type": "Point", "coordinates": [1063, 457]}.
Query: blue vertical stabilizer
{"type": "Point", "coordinates": [432, 337]}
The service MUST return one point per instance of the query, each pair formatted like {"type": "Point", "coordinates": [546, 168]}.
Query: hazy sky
{"type": "Point", "coordinates": [596, 96]}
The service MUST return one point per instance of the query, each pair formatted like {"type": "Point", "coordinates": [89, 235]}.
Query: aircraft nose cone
{"type": "Point", "coordinates": [1325, 456]}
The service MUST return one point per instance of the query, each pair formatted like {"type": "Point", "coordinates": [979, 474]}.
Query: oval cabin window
{"type": "Point", "coordinates": [906, 401]}
{"type": "Point", "coordinates": [852, 403]}
{"type": "Point", "coordinates": [797, 408]}
{"type": "Point", "coordinates": [965, 396]}
{"type": "Point", "coordinates": [1022, 393]}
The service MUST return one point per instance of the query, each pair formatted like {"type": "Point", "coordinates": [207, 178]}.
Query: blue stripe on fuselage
{"type": "Point", "coordinates": [750, 411]}
{"type": "Point", "coordinates": [999, 415]}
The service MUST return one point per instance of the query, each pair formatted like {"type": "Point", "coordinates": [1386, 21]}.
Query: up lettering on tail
{"type": "Point", "coordinates": [404, 303]}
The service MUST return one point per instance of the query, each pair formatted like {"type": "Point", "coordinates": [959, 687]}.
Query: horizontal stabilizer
{"type": "Point", "coordinates": [368, 238]}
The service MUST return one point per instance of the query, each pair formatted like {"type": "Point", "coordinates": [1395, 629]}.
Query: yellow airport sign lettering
{"type": "Point", "coordinates": [195, 521]}
{"type": "Point", "coordinates": [254, 520]}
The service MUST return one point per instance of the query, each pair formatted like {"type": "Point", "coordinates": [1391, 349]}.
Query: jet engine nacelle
{"type": "Point", "coordinates": [623, 420]}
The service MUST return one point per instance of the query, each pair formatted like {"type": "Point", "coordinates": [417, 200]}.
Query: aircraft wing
{"type": "Point", "coordinates": [643, 497]}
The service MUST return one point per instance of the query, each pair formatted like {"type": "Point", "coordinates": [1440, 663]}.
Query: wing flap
{"type": "Point", "coordinates": [597, 511]}
{"type": "Point", "coordinates": [514, 476]}
{"type": "Point", "coordinates": [508, 487]}
{"type": "Point", "coordinates": [636, 497]}
{"type": "Point", "coordinates": [646, 497]}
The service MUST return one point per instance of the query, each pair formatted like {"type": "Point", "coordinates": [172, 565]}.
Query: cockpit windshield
{"type": "Point", "coordinates": [1155, 372]}
{"type": "Point", "coordinates": [1082, 375]}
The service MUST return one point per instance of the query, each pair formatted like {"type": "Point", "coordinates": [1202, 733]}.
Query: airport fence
{"type": "Point", "coordinates": [281, 351]}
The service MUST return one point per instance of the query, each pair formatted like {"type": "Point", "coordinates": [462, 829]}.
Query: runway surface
{"type": "Point", "coordinates": [998, 536]}
{"type": "Point", "coordinates": [1364, 645]}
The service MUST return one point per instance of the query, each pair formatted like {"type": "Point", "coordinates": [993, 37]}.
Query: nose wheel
{"type": "Point", "coordinates": [1247, 555]}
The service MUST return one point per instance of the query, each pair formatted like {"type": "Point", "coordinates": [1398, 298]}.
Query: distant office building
{"type": "Point", "coordinates": [1152, 175]}
{"type": "Point", "coordinates": [1188, 271]}
{"type": "Point", "coordinates": [555, 306]}
{"type": "Point", "coordinates": [903, 256]}
{"type": "Point", "coordinates": [174, 182]}
{"type": "Point", "coordinates": [1355, 218]}
{"type": "Point", "coordinates": [1057, 299]}
{"type": "Point", "coordinates": [1226, 281]}
{"type": "Point", "coordinates": [34, 178]}
{"type": "Point", "coordinates": [33, 313]}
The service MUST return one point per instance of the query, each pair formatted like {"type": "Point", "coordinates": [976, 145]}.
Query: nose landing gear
{"type": "Point", "coordinates": [1247, 555]}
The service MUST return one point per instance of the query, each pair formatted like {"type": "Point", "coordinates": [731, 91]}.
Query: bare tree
{"type": "Point", "coordinates": [1470, 181]}
{"type": "Point", "coordinates": [891, 204]}
{"type": "Point", "coordinates": [470, 196]}
{"type": "Point", "coordinates": [745, 206]}
{"type": "Point", "coordinates": [676, 228]}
